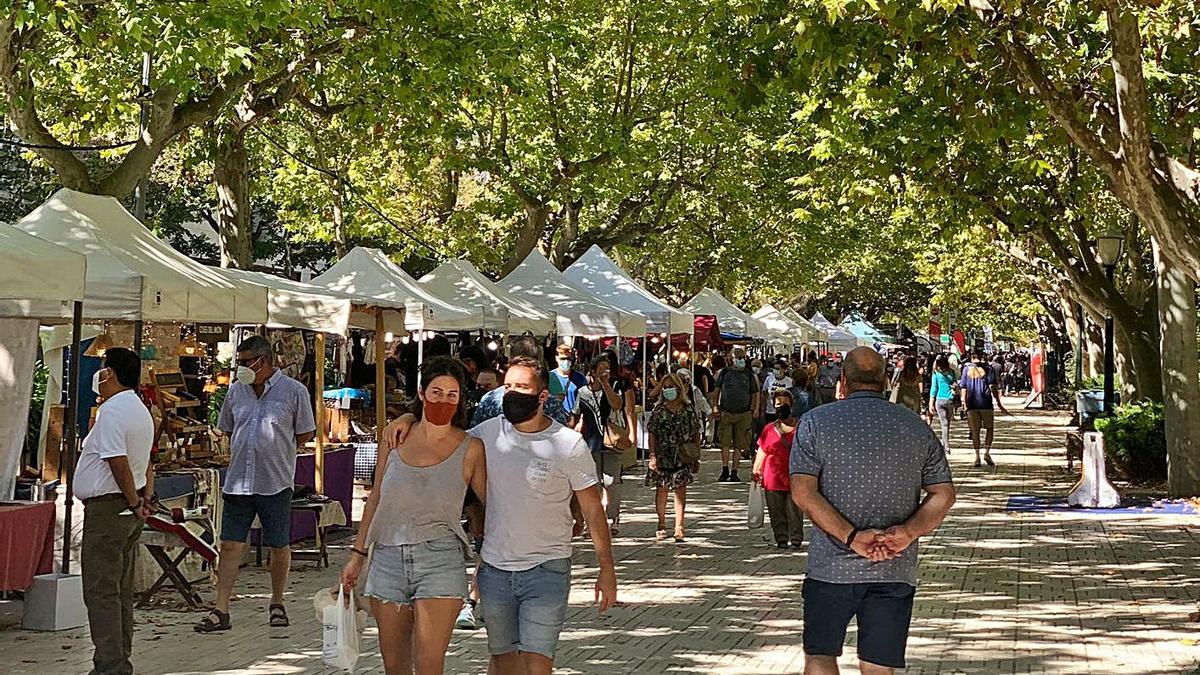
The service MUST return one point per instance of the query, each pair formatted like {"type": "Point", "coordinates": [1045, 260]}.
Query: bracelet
{"type": "Point", "coordinates": [358, 551]}
{"type": "Point", "coordinates": [853, 534]}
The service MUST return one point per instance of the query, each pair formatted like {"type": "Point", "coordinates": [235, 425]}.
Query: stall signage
{"type": "Point", "coordinates": [935, 322]}
{"type": "Point", "coordinates": [212, 333]}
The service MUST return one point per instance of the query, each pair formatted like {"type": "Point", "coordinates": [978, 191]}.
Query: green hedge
{"type": "Point", "coordinates": [1135, 441]}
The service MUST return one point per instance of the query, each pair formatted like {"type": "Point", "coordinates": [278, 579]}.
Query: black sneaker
{"type": "Point", "coordinates": [733, 478]}
{"type": "Point", "coordinates": [724, 475]}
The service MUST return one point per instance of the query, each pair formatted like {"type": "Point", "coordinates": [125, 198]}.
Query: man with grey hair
{"type": "Point", "coordinates": [874, 478]}
{"type": "Point", "coordinates": [267, 415]}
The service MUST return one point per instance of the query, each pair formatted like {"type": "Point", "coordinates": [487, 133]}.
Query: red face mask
{"type": "Point", "coordinates": [439, 413]}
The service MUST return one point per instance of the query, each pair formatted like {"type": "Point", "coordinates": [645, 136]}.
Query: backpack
{"type": "Point", "coordinates": [594, 426]}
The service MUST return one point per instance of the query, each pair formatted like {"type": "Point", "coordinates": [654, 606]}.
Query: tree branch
{"type": "Point", "coordinates": [1130, 85]}
{"type": "Point", "coordinates": [1061, 106]}
{"type": "Point", "coordinates": [22, 111]}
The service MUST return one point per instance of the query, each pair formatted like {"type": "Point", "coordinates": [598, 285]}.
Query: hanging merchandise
{"type": "Point", "coordinates": [625, 355]}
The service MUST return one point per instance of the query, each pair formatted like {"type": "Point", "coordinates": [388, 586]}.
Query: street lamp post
{"type": "Point", "coordinates": [1110, 248]}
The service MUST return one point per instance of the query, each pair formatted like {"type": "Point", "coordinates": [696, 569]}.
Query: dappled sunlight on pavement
{"type": "Point", "coordinates": [1002, 591]}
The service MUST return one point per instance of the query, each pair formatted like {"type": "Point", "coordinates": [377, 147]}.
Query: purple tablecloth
{"type": "Point", "coordinates": [339, 486]}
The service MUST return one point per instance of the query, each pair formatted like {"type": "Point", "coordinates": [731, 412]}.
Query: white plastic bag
{"type": "Point", "coordinates": [342, 632]}
{"type": "Point", "coordinates": [755, 507]}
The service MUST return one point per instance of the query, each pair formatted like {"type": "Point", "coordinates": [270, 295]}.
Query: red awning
{"type": "Point", "coordinates": [708, 335]}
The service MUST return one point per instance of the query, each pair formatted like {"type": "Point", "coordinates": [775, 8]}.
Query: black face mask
{"type": "Point", "coordinates": [520, 407]}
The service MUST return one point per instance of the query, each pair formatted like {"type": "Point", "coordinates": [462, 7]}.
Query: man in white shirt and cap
{"type": "Point", "coordinates": [113, 478]}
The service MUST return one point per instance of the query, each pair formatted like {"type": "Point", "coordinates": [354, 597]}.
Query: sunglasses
{"type": "Point", "coordinates": [246, 362]}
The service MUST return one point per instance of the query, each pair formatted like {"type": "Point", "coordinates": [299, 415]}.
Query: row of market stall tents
{"type": "Point", "coordinates": [81, 257]}
{"type": "Point", "coordinates": [134, 276]}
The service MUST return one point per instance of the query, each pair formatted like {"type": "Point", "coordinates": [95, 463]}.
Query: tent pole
{"type": "Point", "coordinates": [420, 357]}
{"type": "Point", "coordinates": [645, 371]}
{"type": "Point", "coordinates": [70, 426]}
{"type": "Point", "coordinates": [137, 338]}
{"type": "Point", "coordinates": [319, 410]}
{"type": "Point", "coordinates": [380, 381]}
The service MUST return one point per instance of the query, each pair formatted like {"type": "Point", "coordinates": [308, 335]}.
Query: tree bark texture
{"type": "Point", "coordinates": [1093, 364]}
{"type": "Point", "coordinates": [1181, 376]}
{"type": "Point", "coordinates": [231, 173]}
{"type": "Point", "coordinates": [536, 215]}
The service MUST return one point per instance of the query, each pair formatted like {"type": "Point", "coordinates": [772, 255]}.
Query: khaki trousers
{"type": "Point", "coordinates": [106, 558]}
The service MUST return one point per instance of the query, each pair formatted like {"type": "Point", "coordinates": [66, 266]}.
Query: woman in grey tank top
{"type": "Point", "coordinates": [411, 529]}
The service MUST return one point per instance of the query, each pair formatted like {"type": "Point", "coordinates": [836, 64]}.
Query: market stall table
{"type": "Point", "coordinates": [161, 534]}
{"type": "Point", "coordinates": [26, 543]}
{"type": "Point", "coordinates": [325, 515]}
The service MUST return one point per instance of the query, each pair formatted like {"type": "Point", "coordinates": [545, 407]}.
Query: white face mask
{"type": "Point", "coordinates": [96, 382]}
{"type": "Point", "coordinates": [245, 375]}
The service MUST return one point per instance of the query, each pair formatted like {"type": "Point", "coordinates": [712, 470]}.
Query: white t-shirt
{"type": "Point", "coordinates": [771, 385]}
{"type": "Point", "coordinates": [530, 481]}
{"type": "Point", "coordinates": [123, 428]}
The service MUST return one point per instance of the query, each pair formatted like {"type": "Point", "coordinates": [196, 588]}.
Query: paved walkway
{"type": "Point", "coordinates": [1036, 592]}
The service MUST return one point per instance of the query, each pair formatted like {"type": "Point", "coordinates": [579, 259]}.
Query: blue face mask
{"type": "Point", "coordinates": [564, 364]}
{"type": "Point", "coordinates": [670, 393]}
{"type": "Point", "coordinates": [739, 363]}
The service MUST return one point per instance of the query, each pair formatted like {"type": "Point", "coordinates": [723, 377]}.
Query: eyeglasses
{"type": "Point", "coordinates": [246, 362]}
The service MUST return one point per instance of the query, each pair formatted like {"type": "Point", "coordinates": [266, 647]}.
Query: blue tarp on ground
{"type": "Point", "coordinates": [1129, 506]}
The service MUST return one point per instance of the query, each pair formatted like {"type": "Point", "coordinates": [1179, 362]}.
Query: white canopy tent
{"type": "Point", "coordinates": [839, 340]}
{"type": "Point", "coordinates": [604, 279]}
{"type": "Point", "coordinates": [459, 279]}
{"type": "Point", "coordinates": [38, 280]}
{"type": "Point", "coordinates": [814, 333]}
{"type": "Point", "coordinates": [292, 304]}
{"type": "Point", "coordinates": [133, 275]}
{"type": "Point", "coordinates": [787, 331]}
{"type": "Point", "coordinates": [369, 277]}
{"type": "Point", "coordinates": [577, 312]}
{"type": "Point", "coordinates": [730, 317]}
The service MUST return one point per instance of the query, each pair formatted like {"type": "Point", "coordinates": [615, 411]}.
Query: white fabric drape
{"type": "Point", "coordinates": [18, 351]}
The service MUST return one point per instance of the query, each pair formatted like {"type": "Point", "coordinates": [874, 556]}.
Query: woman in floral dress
{"type": "Point", "coordinates": [672, 425]}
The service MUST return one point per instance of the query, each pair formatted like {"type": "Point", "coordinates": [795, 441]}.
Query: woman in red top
{"type": "Point", "coordinates": [771, 470]}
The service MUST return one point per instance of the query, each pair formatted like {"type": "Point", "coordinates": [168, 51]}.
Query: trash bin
{"type": "Point", "coordinates": [1089, 403]}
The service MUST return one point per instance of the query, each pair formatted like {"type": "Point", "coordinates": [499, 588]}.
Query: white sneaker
{"type": "Point", "coordinates": [466, 618]}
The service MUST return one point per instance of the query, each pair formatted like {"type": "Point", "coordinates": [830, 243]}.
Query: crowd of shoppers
{"type": "Point", "coordinates": [531, 457]}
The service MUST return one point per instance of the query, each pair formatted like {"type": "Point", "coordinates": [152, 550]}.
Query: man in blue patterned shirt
{"type": "Point", "coordinates": [873, 477]}
{"type": "Point", "coordinates": [267, 416]}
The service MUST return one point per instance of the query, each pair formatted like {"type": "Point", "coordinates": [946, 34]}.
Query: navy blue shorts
{"type": "Point", "coordinates": [274, 514]}
{"type": "Point", "coordinates": [884, 611]}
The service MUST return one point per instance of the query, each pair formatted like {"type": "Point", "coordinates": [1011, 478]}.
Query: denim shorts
{"type": "Point", "coordinates": [274, 515]}
{"type": "Point", "coordinates": [410, 572]}
{"type": "Point", "coordinates": [883, 610]}
{"type": "Point", "coordinates": [525, 610]}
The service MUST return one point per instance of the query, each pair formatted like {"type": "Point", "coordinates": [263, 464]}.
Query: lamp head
{"type": "Point", "coordinates": [1110, 247]}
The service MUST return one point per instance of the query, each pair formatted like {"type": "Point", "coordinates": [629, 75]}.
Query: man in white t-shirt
{"type": "Point", "coordinates": [535, 465]}
{"type": "Point", "coordinates": [114, 480]}
{"type": "Point", "coordinates": [776, 380]}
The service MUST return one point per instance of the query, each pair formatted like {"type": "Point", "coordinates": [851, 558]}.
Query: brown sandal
{"type": "Point", "coordinates": [279, 617]}
{"type": "Point", "coordinates": [214, 621]}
